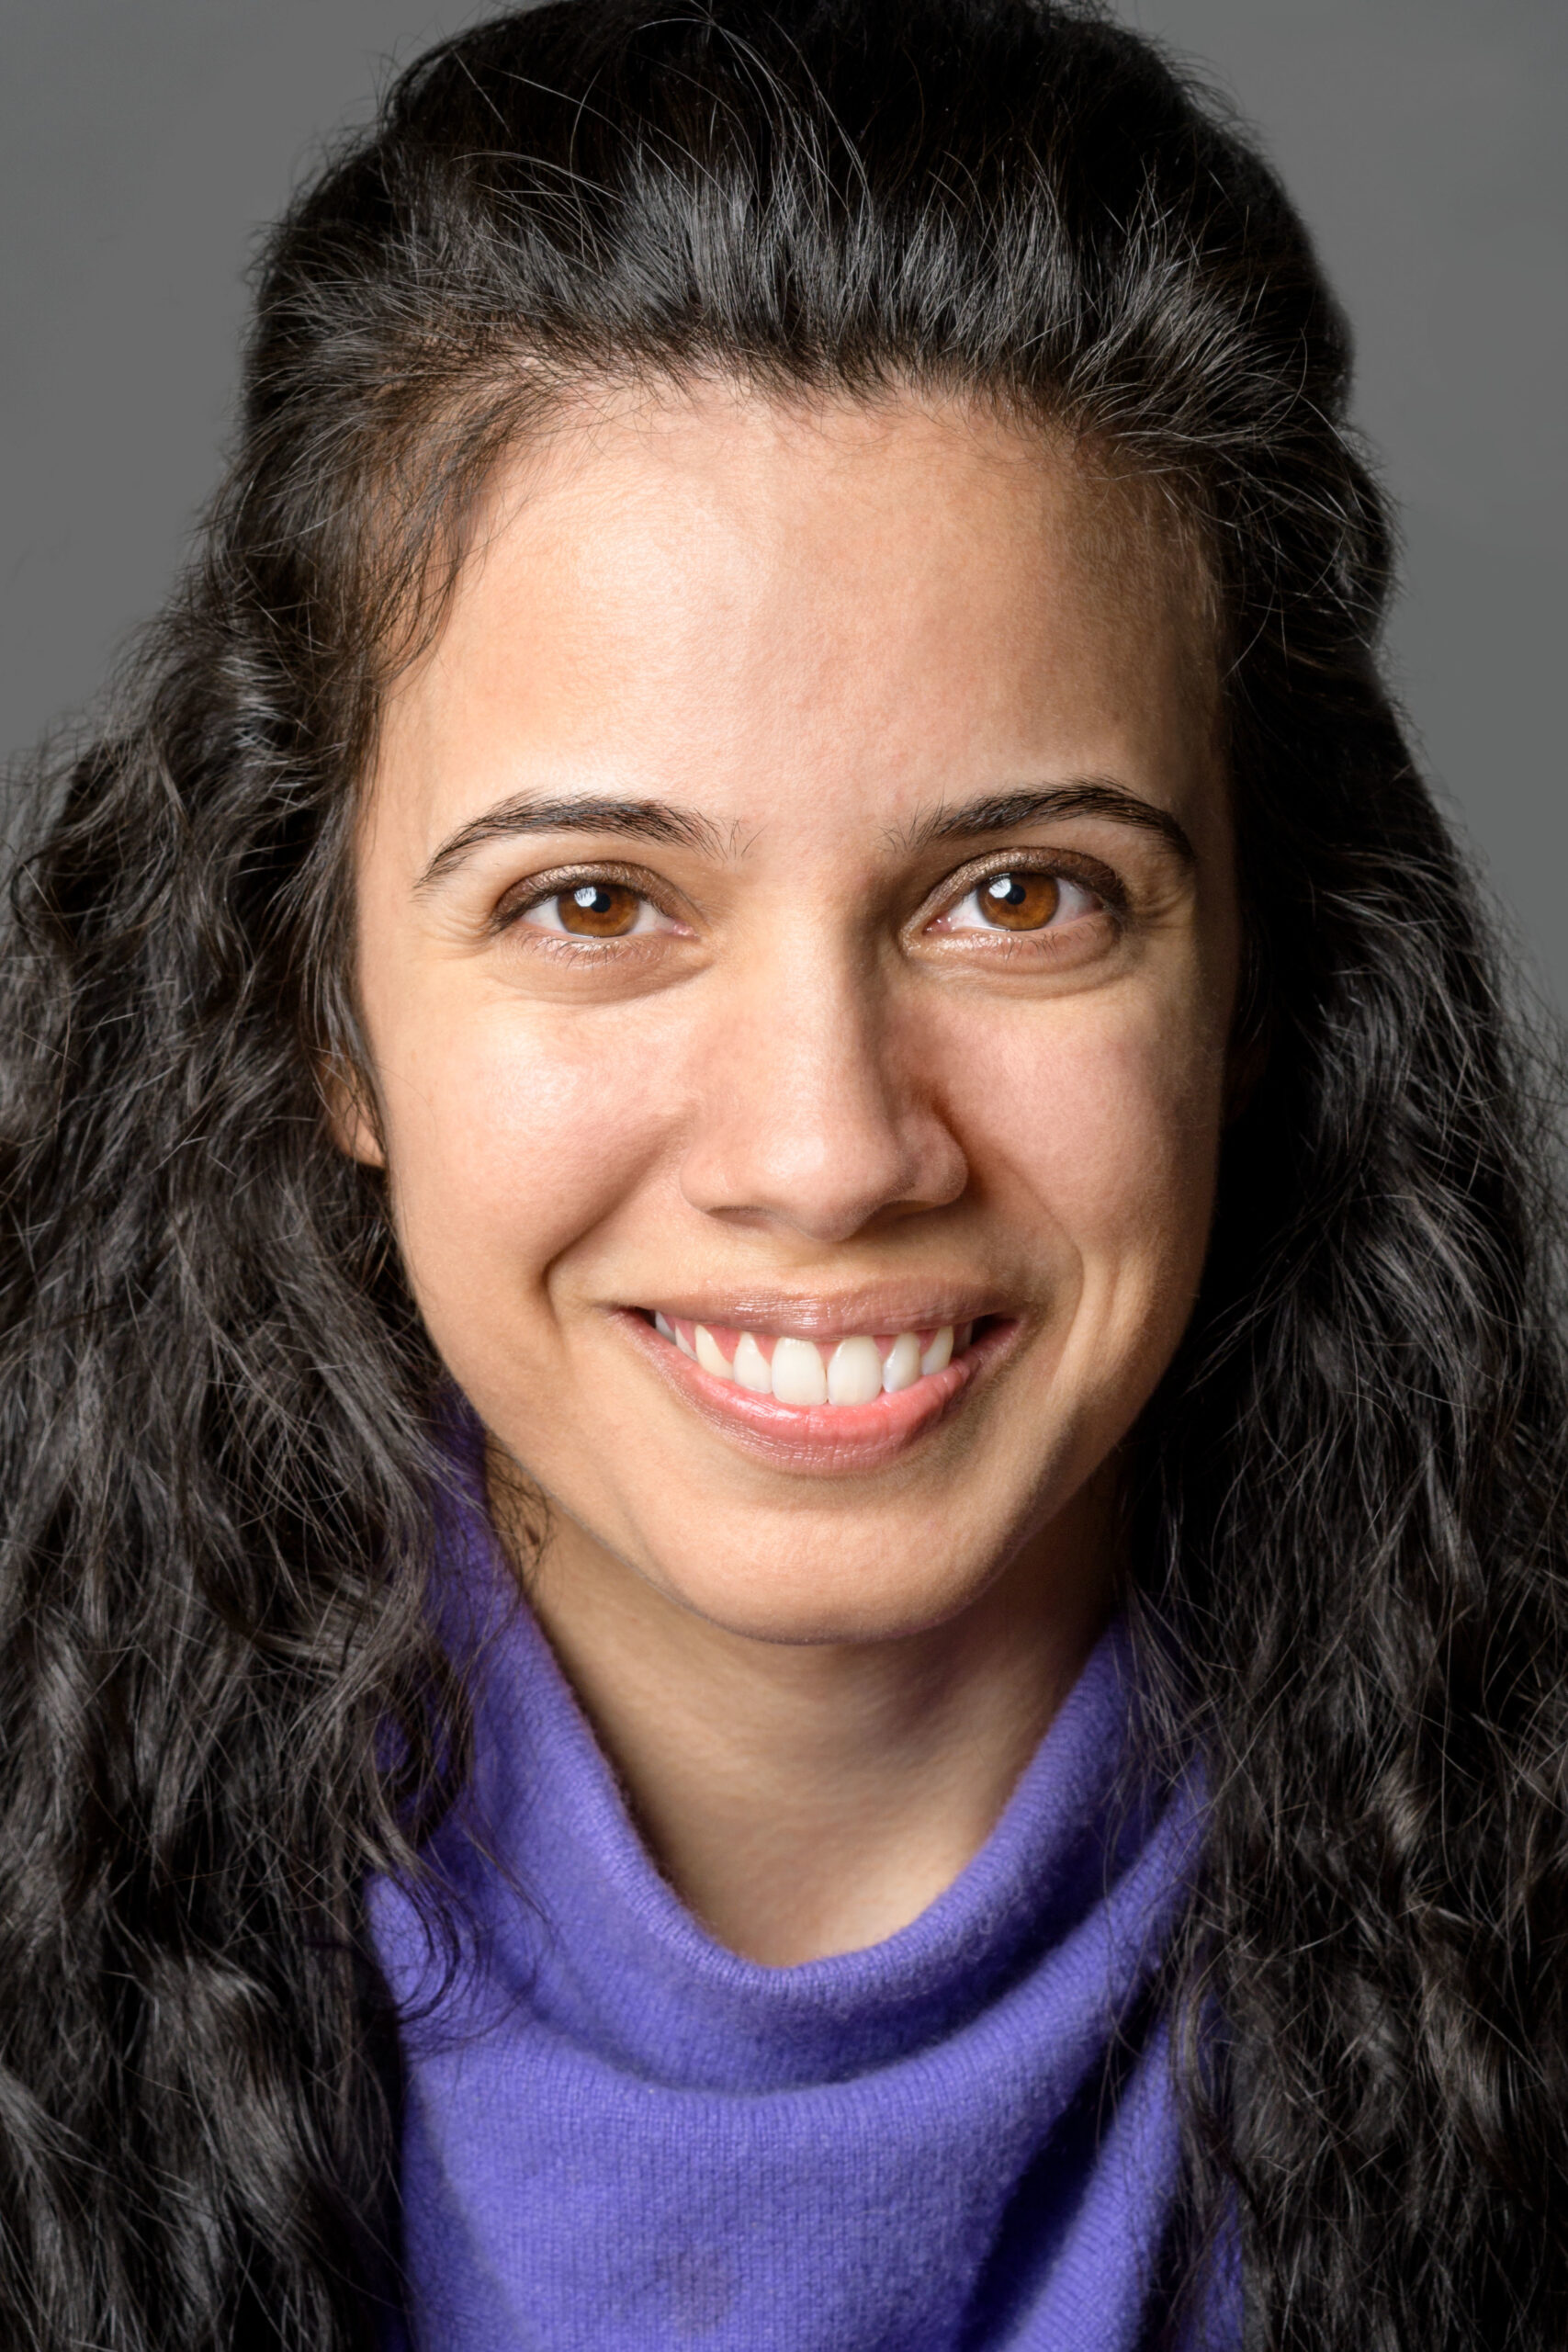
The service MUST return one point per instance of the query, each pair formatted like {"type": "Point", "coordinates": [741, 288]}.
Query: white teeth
{"type": "Point", "coordinates": [854, 1372]}
{"type": "Point", "coordinates": [798, 1374]}
{"type": "Point", "coordinates": [751, 1367]}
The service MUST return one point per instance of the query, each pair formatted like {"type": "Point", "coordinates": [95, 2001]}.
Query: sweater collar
{"type": "Point", "coordinates": [566, 1908]}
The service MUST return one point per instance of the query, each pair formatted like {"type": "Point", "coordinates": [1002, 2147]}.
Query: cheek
{"type": "Point", "coordinates": [1098, 1120]}
{"type": "Point", "coordinates": [509, 1138]}
{"type": "Point", "coordinates": [1095, 1127]}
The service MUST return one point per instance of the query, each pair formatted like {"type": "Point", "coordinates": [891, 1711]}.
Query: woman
{"type": "Point", "coordinates": [783, 1425]}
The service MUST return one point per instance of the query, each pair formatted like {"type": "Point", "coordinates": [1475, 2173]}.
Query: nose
{"type": "Point", "coordinates": [814, 1114]}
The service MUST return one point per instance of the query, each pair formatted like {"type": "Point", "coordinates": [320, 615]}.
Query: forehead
{"type": "Point", "coordinates": [843, 611]}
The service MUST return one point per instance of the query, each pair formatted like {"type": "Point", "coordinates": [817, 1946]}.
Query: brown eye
{"type": "Point", "coordinates": [593, 910]}
{"type": "Point", "coordinates": [1021, 900]}
{"type": "Point", "coordinates": [1018, 901]}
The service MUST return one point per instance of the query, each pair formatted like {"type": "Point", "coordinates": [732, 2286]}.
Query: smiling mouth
{"type": "Point", "coordinates": [806, 1374]}
{"type": "Point", "coordinates": [844, 1404]}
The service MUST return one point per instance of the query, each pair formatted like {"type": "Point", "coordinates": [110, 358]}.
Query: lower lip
{"type": "Point", "coordinates": [823, 1441]}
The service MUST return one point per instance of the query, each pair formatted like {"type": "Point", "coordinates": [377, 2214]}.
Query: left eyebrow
{"type": "Point", "coordinates": [648, 821]}
{"type": "Point", "coordinates": [1003, 812]}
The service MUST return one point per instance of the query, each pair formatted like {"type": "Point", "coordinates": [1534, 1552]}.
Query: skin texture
{"type": "Point", "coordinates": [812, 1090]}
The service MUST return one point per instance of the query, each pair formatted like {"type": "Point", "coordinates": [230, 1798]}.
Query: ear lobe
{"type": "Point", "coordinates": [352, 1122]}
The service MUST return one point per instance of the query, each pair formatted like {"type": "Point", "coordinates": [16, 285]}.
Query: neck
{"type": "Point", "coordinates": [805, 1799]}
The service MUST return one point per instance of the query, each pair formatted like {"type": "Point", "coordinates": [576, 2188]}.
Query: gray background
{"type": "Point", "coordinates": [143, 142]}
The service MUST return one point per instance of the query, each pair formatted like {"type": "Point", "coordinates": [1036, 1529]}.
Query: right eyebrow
{"type": "Point", "coordinates": [648, 821]}
{"type": "Point", "coordinates": [1090, 796]}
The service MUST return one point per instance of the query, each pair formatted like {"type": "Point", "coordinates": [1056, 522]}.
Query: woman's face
{"type": "Point", "coordinates": [797, 923]}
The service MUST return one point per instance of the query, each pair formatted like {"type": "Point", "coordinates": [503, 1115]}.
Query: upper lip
{"type": "Point", "coordinates": [842, 1315]}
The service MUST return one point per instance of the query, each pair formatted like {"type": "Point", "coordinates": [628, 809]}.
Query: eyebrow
{"type": "Point", "coordinates": [646, 820]}
{"type": "Point", "coordinates": [1002, 812]}
{"type": "Point", "coordinates": [662, 821]}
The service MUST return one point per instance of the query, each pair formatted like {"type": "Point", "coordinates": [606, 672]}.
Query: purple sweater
{"type": "Point", "coordinates": [619, 2137]}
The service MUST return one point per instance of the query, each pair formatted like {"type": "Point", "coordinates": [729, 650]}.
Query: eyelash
{"type": "Point", "coordinates": [1083, 873]}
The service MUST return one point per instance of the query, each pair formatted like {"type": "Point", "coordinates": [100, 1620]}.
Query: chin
{"type": "Point", "coordinates": [832, 1605]}
{"type": "Point", "coordinates": [834, 1572]}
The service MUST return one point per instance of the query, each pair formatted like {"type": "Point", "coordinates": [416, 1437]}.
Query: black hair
{"type": "Point", "coordinates": [221, 1702]}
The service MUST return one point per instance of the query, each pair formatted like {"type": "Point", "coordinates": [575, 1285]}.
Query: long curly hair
{"type": "Point", "coordinates": [221, 1704]}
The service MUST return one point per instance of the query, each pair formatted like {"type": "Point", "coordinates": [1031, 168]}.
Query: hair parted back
{"type": "Point", "coordinates": [220, 1703]}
